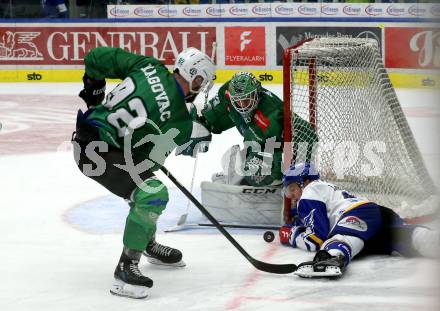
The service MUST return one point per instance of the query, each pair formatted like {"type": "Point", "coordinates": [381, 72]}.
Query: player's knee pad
{"type": "Point", "coordinates": [152, 196]}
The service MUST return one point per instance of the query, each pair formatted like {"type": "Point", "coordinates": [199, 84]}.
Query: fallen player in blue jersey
{"type": "Point", "coordinates": [339, 226]}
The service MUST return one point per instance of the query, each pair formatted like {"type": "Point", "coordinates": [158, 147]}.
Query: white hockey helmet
{"type": "Point", "coordinates": [191, 63]}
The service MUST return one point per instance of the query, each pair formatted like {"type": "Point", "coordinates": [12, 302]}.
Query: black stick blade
{"type": "Point", "coordinates": [273, 268]}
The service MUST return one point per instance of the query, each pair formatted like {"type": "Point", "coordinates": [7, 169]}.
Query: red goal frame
{"type": "Point", "coordinates": [289, 135]}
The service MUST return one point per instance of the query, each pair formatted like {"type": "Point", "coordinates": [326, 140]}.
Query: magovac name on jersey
{"type": "Point", "coordinates": [157, 87]}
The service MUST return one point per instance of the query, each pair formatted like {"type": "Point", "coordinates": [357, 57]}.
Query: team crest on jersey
{"type": "Point", "coordinates": [354, 223]}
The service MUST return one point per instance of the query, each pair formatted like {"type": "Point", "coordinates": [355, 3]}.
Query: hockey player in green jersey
{"type": "Point", "coordinates": [120, 141]}
{"type": "Point", "coordinates": [258, 115]}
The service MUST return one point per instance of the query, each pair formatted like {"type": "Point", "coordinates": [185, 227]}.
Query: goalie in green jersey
{"type": "Point", "coordinates": [120, 141]}
{"type": "Point", "coordinates": [258, 115]}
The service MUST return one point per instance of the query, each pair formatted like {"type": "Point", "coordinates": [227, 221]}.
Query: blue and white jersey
{"type": "Point", "coordinates": [320, 207]}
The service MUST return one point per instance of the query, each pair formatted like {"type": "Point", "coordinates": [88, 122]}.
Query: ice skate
{"type": "Point", "coordinates": [159, 254]}
{"type": "Point", "coordinates": [129, 281]}
{"type": "Point", "coordinates": [323, 265]}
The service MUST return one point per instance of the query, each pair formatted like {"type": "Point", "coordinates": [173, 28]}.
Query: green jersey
{"type": "Point", "coordinates": [147, 107]}
{"type": "Point", "coordinates": [266, 125]}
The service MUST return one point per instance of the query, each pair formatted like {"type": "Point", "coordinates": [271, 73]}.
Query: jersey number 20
{"type": "Point", "coordinates": [123, 119]}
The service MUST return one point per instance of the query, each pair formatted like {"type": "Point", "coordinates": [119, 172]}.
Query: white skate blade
{"type": "Point", "coordinates": [307, 272]}
{"type": "Point", "coordinates": [120, 288]}
{"type": "Point", "coordinates": [155, 261]}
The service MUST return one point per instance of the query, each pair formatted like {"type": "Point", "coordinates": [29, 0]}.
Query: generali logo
{"type": "Point", "coordinates": [19, 46]}
{"type": "Point", "coordinates": [307, 10]}
{"type": "Point", "coordinates": [66, 45]}
{"type": "Point", "coordinates": [417, 11]}
{"type": "Point", "coordinates": [261, 10]}
{"type": "Point", "coordinates": [215, 11]}
{"type": "Point", "coordinates": [119, 12]}
{"type": "Point", "coordinates": [283, 10]}
{"type": "Point", "coordinates": [374, 10]}
{"type": "Point", "coordinates": [191, 11]}
{"type": "Point", "coordinates": [352, 10]}
{"type": "Point", "coordinates": [427, 45]}
{"type": "Point", "coordinates": [329, 10]}
{"type": "Point", "coordinates": [143, 11]}
{"type": "Point", "coordinates": [238, 11]}
{"type": "Point", "coordinates": [395, 11]}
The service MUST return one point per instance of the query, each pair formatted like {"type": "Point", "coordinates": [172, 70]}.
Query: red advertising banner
{"type": "Point", "coordinates": [68, 45]}
{"type": "Point", "coordinates": [245, 46]}
{"type": "Point", "coordinates": [417, 48]}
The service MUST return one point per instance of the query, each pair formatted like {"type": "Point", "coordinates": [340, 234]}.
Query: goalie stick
{"type": "Point", "coordinates": [260, 265]}
{"type": "Point", "coordinates": [181, 222]}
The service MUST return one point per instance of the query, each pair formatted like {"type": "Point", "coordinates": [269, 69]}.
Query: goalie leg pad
{"type": "Point", "coordinates": [120, 288]}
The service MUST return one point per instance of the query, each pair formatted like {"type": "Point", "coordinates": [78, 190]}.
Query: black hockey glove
{"type": "Point", "coordinates": [93, 92]}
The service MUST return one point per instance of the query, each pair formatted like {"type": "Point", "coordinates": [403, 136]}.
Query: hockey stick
{"type": "Point", "coordinates": [181, 222]}
{"type": "Point", "coordinates": [260, 265]}
{"type": "Point", "coordinates": [233, 226]}
{"type": "Point", "coordinates": [182, 219]}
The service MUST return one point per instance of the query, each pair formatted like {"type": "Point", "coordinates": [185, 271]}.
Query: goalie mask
{"type": "Point", "coordinates": [244, 90]}
{"type": "Point", "coordinates": [191, 64]}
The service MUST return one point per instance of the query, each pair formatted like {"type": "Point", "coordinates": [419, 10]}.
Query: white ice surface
{"type": "Point", "coordinates": [48, 264]}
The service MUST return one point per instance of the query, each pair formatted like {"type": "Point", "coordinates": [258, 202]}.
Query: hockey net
{"type": "Point", "coordinates": [340, 86]}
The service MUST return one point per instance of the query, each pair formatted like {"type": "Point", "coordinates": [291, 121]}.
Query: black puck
{"type": "Point", "coordinates": [269, 236]}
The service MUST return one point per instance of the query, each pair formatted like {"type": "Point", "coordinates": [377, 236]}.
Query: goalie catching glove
{"type": "Point", "coordinates": [93, 92]}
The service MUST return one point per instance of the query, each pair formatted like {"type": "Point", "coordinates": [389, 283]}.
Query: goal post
{"type": "Point", "coordinates": [364, 143]}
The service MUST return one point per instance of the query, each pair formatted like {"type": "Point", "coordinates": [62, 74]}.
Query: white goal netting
{"type": "Point", "coordinates": [340, 86]}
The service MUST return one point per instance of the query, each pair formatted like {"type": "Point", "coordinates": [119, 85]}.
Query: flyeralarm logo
{"type": "Point", "coordinates": [261, 10]}
{"type": "Point", "coordinates": [417, 11]}
{"type": "Point", "coordinates": [119, 12]}
{"type": "Point", "coordinates": [373, 10]}
{"type": "Point", "coordinates": [143, 11]}
{"type": "Point", "coordinates": [329, 10]}
{"type": "Point", "coordinates": [352, 10]}
{"type": "Point", "coordinates": [245, 46]}
{"type": "Point", "coordinates": [395, 11]}
{"type": "Point", "coordinates": [307, 10]}
{"type": "Point", "coordinates": [191, 11]}
{"type": "Point", "coordinates": [238, 11]}
{"type": "Point", "coordinates": [284, 10]}
{"type": "Point", "coordinates": [214, 11]}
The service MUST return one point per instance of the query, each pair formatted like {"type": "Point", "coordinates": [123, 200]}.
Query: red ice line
{"type": "Point", "coordinates": [251, 280]}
